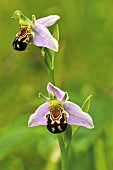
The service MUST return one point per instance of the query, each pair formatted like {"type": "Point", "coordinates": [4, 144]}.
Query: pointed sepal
{"type": "Point", "coordinates": [86, 104]}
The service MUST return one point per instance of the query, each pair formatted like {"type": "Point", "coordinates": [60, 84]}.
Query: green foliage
{"type": "Point", "coordinates": [86, 104]}
{"type": "Point", "coordinates": [67, 135]}
{"type": "Point", "coordinates": [83, 66]}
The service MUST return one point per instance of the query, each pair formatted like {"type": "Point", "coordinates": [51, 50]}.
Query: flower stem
{"type": "Point", "coordinates": [51, 74]}
{"type": "Point", "coordinates": [64, 153]}
{"type": "Point", "coordinates": [63, 147]}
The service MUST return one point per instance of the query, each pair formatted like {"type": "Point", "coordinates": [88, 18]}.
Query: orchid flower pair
{"type": "Point", "coordinates": [35, 32]}
{"type": "Point", "coordinates": [57, 112]}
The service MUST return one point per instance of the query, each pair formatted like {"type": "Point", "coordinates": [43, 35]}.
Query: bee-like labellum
{"type": "Point", "coordinates": [21, 41]}
{"type": "Point", "coordinates": [57, 121]}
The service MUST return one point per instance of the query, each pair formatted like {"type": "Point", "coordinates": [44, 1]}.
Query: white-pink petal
{"type": "Point", "coordinates": [43, 38]}
{"type": "Point", "coordinates": [39, 117]}
{"type": "Point", "coordinates": [77, 116]}
{"type": "Point", "coordinates": [58, 93]}
{"type": "Point", "coordinates": [48, 21]}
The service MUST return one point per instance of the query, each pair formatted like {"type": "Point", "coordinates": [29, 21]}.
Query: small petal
{"type": "Point", "coordinates": [48, 21]}
{"type": "Point", "coordinates": [39, 117]}
{"type": "Point", "coordinates": [58, 93]}
{"type": "Point", "coordinates": [77, 116]}
{"type": "Point", "coordinates": [43, 38]}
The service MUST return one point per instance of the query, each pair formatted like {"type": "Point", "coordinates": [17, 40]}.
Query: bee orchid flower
{"type": "Point", "coordinates": [35, 32]}
{"type": "Point", "coordinates": [57, 112]}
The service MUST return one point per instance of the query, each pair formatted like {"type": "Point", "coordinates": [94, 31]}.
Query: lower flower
{"type": "Point", "coordinates": [56, 113]}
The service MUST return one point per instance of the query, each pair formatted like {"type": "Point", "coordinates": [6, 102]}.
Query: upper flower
{"type": "Point", "coordinates": [35, 31]}
{"type": "Point", "coordinates": [57, 112]}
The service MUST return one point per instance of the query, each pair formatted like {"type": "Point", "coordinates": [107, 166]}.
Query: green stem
{"type": "Point", "coordinates": [63, 147]}
{"type": "Point", "coordinates": [51, 74]}
{"type": "Point", "coordinates": [51, 71]}
{"type": "Point", "coordinates": [64, 153]}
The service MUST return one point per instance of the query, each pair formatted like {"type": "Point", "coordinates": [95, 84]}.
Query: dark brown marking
{"type": "Point", "coordinates": [57, 126]}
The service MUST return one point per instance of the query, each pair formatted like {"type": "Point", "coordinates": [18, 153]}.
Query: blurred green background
{"type": "Point", "coordinates": [83, 66]}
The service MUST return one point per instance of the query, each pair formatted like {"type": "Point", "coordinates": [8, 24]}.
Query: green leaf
{"type": "Point", "coordinates": [75, 128]}
{"type": "Point", "coordinates": [47, 57]}
{"type": "Point", "coordinates": [86, 105]}
{"type": "Point", "coordinates": [67, 135]}
{"type": "Point", "coordinates": [56, 33]}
